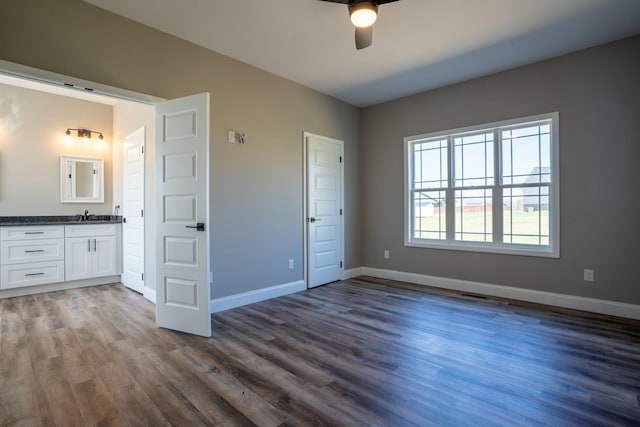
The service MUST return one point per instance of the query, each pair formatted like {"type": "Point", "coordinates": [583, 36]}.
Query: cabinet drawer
{"type": "Point", "coordinates": [34, 232]}
{"type": "Point", "coordinates": [90, 230]}
{"type": "Point", "coordinates": [35, 273]}
{"type": "Point", "coordinates": [21, 251]}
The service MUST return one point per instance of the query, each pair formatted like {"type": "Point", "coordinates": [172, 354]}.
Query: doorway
{"type": "Point", "coordinates": [324, 214]}
{"type": "Point", "coordinates": [177, 294]}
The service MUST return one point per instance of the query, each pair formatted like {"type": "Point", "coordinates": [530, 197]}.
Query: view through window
{"type": "Point", "coordinates": [489, 188]}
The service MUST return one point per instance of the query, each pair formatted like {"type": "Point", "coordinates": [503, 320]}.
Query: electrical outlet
{"type": "Point", "coordinates": [290, 264]}
{"type": "Point", "coordinates": [386, 254]}
{"type": "Point", "coordinates": [588, 275]}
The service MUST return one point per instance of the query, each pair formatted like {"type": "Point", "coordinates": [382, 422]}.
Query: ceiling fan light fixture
{"type": "Point", "coordinates": [363, 14]}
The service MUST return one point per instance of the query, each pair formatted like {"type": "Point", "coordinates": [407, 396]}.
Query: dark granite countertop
{"type": "Point", "coordinates": [59, 220]}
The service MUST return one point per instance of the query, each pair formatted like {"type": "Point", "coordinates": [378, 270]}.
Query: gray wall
{"type": "Point", "coordinates": [256, 188]}
{"type": "Point", "coordinates": [597, 93]}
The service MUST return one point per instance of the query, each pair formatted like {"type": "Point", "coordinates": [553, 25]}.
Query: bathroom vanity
{"type": "Point", "coordinates": [40, 254]}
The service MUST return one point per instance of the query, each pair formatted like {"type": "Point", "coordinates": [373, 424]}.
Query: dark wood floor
{"type": "Point", "coordinates": [358, 352]}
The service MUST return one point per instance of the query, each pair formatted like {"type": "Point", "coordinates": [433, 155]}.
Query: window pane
{"type": "Point", "coordinates": [430, 164]}
{"type": "Point", "coordinates": [429, 215]}
{"type": "Point", "coordinates": [456, 170]}
{"type": "Point", "coordinates": [474, 215]}
{"type": "Point", "coordinates": [474, 160]}
{"type": "Point", "coordinates": [526, 155]}
{"type": "Point", "coordinates": [526, 215]}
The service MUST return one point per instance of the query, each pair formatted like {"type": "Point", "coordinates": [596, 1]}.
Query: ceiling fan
{"type": "Point", "coordinates": [363, 14]}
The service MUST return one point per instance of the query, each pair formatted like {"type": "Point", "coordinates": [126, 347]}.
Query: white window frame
{"type": "Point", "coordinates": [550, 251]}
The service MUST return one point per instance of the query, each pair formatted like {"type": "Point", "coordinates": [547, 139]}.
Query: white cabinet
{"type": "Point", "coordinates": [90, 251]}
{"type": "Point", "coordinates": [31, 255]}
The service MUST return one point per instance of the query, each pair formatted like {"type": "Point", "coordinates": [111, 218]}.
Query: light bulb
{"type": "Point", "coordinates": [363, 14]}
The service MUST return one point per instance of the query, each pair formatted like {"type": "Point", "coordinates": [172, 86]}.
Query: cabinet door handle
{"type": "Point", "coordinates": [95, 245]}
{"type": "Point", "coordinates": [34, 232]}
{"type": "Point", "coordinates": [88, 245]}
{"type": "Point", "coordinates": [33, 274]}
{"type": "Point", "coordinates": [30, 251]}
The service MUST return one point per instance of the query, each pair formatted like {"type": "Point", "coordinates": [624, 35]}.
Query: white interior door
{"type": "Point", "coordinates": [324, 210]}
{"type": "Point", "coordinates": [133, 212]}
{"type": "Point", "coordinates": [182, 191]}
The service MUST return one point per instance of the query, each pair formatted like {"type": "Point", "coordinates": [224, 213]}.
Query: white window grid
{"type": "Point", "coordinates": [454, 187]}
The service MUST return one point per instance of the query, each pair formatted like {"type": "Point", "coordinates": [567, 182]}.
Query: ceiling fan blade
{"type": "Point", "coordinates": [364, 37]}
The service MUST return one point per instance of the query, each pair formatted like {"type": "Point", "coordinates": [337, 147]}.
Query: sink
{"type": "Point", "coordinates": [100, 218]}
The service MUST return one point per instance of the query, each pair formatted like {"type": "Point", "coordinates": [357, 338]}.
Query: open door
{"type": "Point", "coordinates": [182, 182]}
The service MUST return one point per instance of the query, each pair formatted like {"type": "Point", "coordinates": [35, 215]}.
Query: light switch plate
{"type": "Point", "coordinates": [588, 275]}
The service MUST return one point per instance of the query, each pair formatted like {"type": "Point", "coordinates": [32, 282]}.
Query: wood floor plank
{"type": "Point", "coordinates": [213, 407]}
{"type": "Point", "coordinates": [55, 393]}
{"type": "Point", "coordinates": [304, 402]}
{"type": "Point", "coordinates": [134, 407]}
{"type": "Point", "coordinates": [353, 353]}
{"type": "Point", "coordinates": [230, 385]}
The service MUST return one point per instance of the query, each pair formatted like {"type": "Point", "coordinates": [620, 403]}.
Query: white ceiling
{"type": "Point", "coordinates": [418, 44]}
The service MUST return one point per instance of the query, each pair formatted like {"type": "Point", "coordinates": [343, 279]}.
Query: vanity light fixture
{"type": "Point", "coordinates": [85, 134]}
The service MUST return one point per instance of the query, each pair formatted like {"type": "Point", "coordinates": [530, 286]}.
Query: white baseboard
{"type": "Point", "coordinates": [350, 274]}
{"type": "Point", "coordinates": [61, 286]}
{"type": "Point", "coordinates": [232, 301]}
{"type": "Point", "coordinates": [150, 294]}
{"type": "Point", "coordinates": [612, 308]}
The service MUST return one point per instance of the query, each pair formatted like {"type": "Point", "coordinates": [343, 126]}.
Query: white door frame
{"type": "Point", "coordinates": [305, 238]}
{"type": "Point", "coordinates": [83, 88]}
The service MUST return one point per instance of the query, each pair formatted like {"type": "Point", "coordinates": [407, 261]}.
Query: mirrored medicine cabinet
{"type": "Point", "coordinates": [81, 179]}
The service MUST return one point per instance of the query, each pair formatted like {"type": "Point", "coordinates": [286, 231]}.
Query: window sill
{"type": "Point", "coordinates": [518, 250]}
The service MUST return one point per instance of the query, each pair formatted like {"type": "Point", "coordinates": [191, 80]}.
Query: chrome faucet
{"type": "Point", "coordinates": [86, 215]}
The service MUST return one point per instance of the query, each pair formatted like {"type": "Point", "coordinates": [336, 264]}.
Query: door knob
{"type": "Point", "coordinates": [312, 219]}
{"type": "Point", "coordinates": [199, 226]}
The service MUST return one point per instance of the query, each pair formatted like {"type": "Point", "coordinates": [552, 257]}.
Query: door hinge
{"type": "Point", "coordinates": [142, 212]}
{"type": "Point", "coordinates": [142, 149]}
{"type": "Point", "coordinates": [340, 264]}
{"type": "Point", "coordinates": [340, 159]}
{"type": "Point", "coordinates": [142, 274]}
{"type": "Point", "coordinates": [340, 211]}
